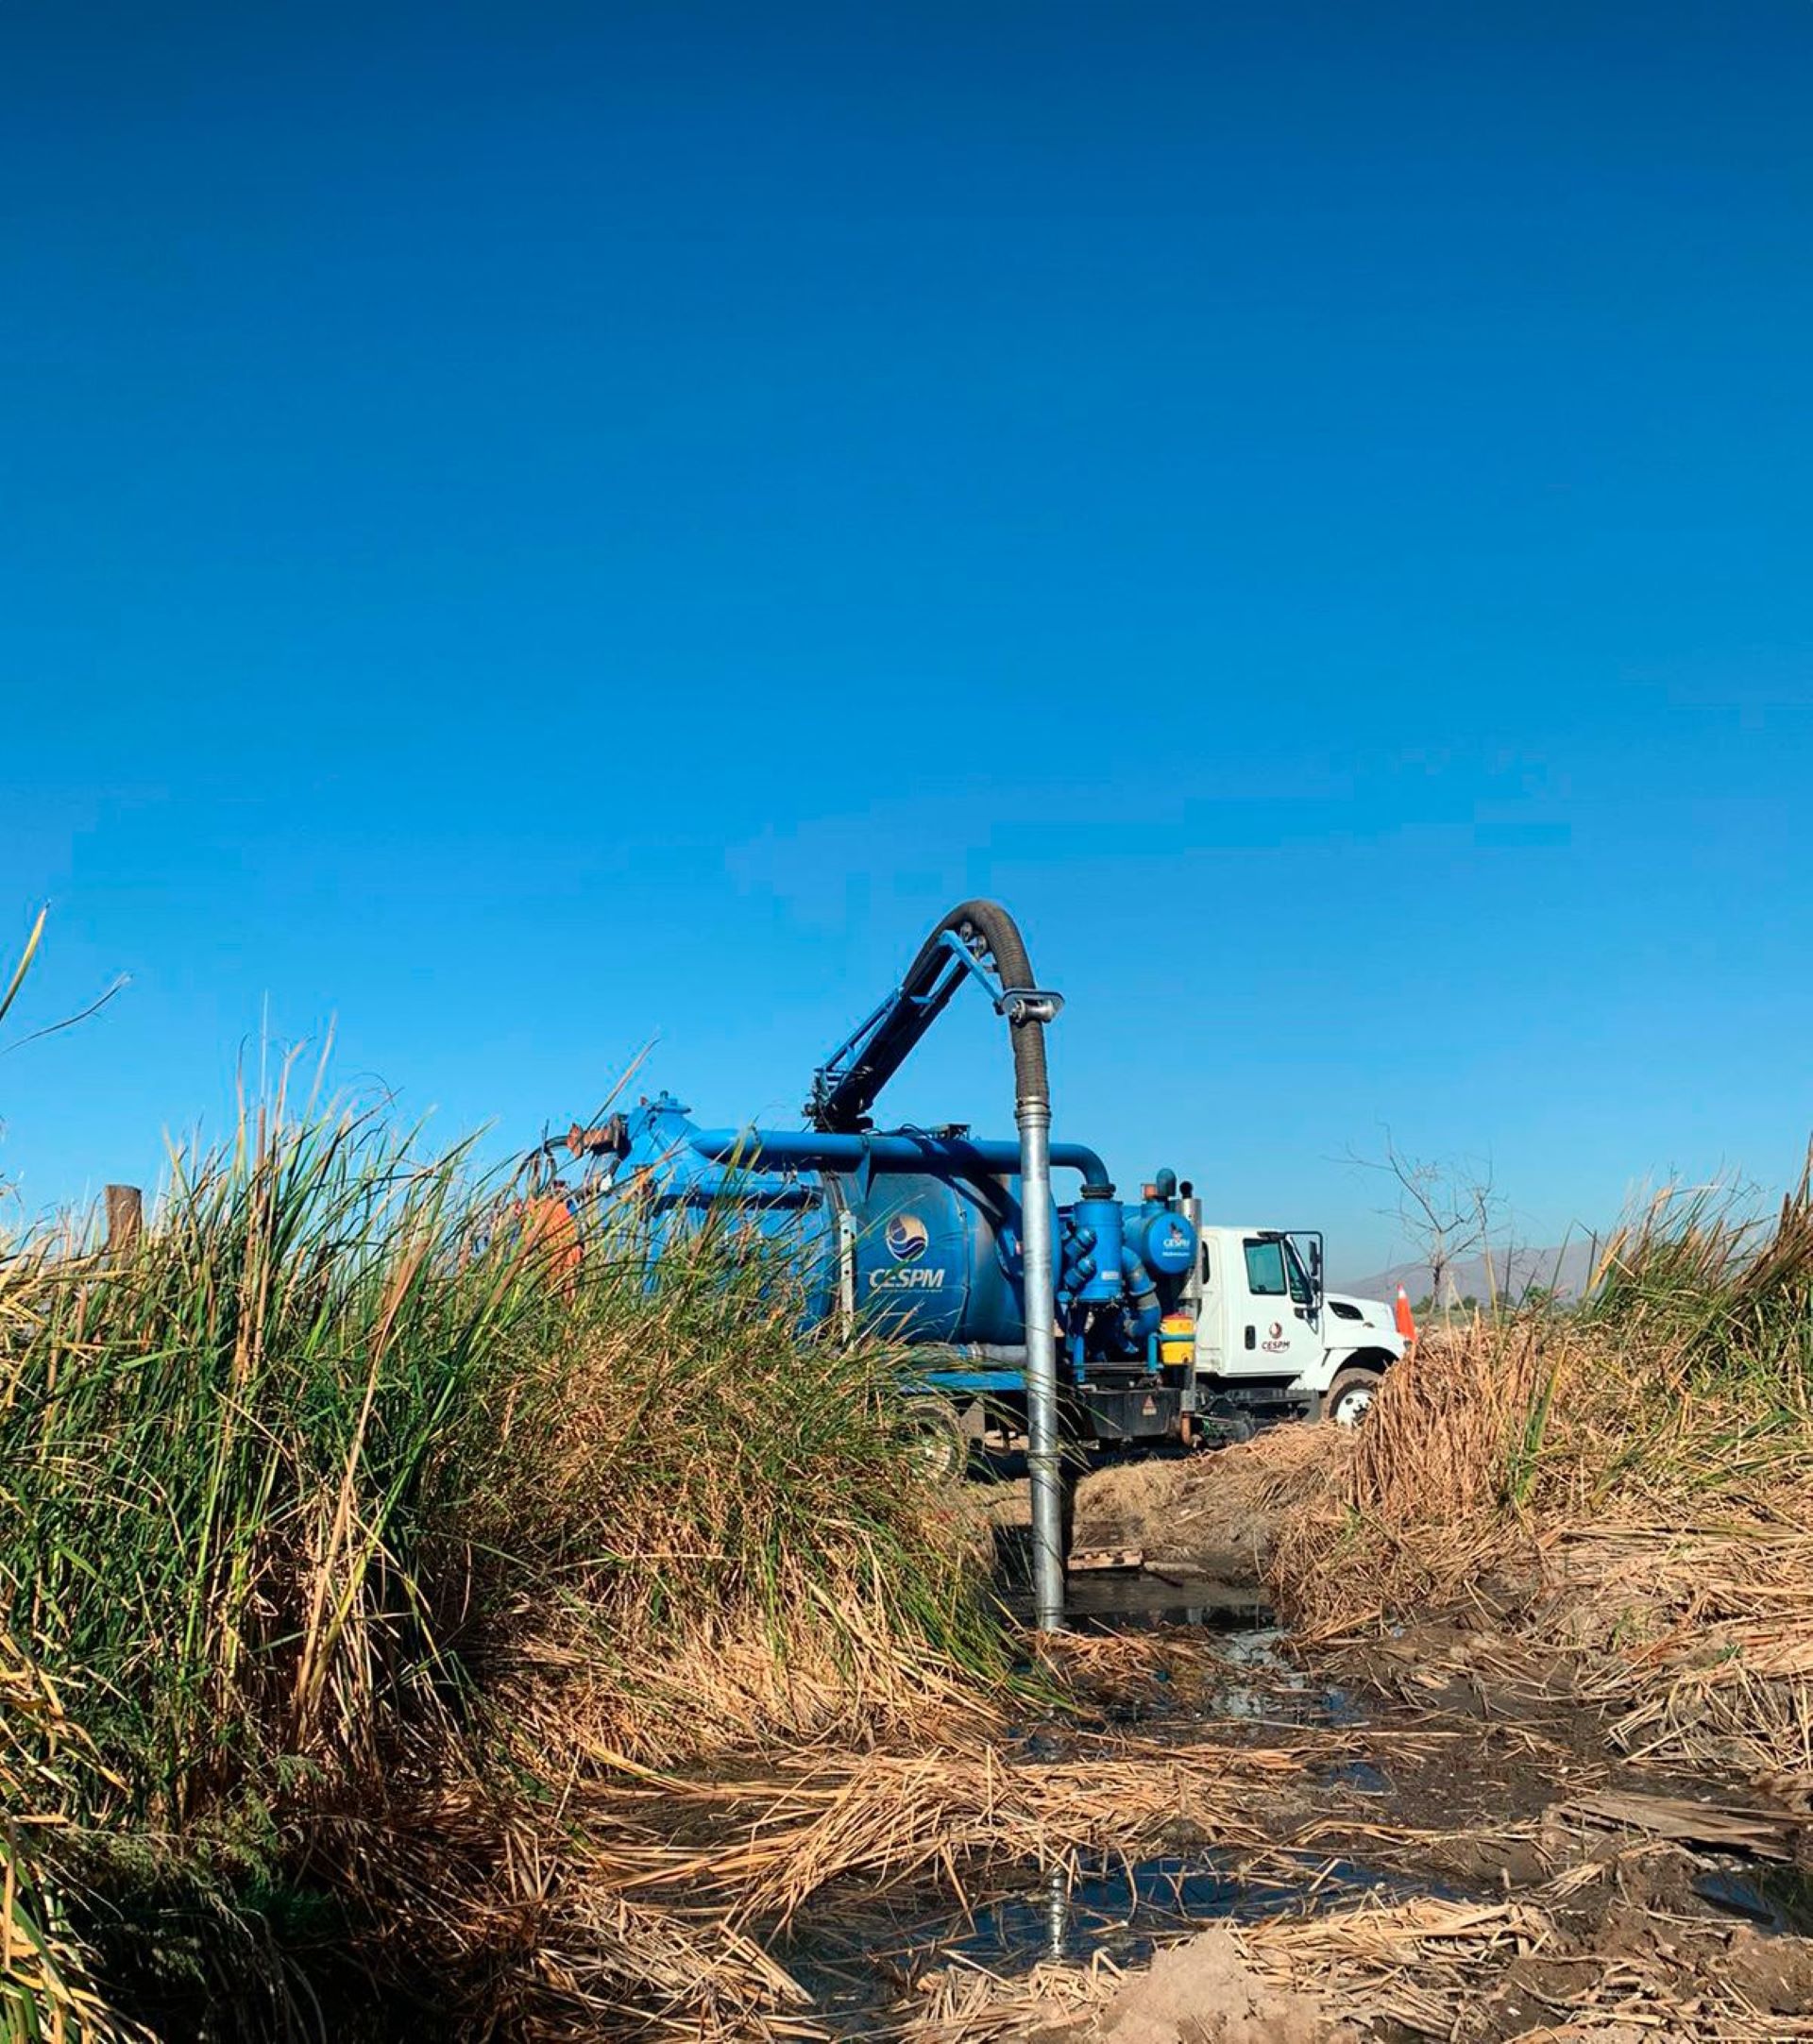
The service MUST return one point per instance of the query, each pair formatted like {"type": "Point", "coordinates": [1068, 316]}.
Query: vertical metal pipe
{"type": "Point", "coordinates": [1044, 1451]}
{"type": "Point", "coordinates": [1190, 1290]}
{"type": "Point", "coordinates": [846, 1270]}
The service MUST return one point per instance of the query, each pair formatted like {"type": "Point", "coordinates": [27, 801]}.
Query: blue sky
{"type": "Point", "coordinates": [531, 530]}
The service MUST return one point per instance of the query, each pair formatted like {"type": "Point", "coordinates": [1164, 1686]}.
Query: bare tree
{"type": "Point", "coordinates": [1447, 1209]}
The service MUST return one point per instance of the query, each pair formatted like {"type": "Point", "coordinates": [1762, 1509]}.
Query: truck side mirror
{"type": "Point", "coordinates": [1311, 1241]}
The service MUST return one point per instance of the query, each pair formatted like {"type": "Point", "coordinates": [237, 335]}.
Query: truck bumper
{"type": "Point", "coordinates": [1131, 1413]}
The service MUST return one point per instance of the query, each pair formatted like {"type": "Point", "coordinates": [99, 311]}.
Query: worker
{"type": "Point", "coordinates": [550, 1236]}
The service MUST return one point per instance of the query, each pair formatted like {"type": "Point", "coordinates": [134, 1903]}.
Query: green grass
{"type": "Point", "coordinates": [329, 1507]}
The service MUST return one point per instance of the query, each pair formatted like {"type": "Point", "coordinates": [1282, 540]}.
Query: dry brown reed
{"type": "Point", "coordinates": [1431, 1967]}
{"type": "Point", "coordinates": [513, 1919]}
{"type": "Point", "coordinates": [1418, 1514]}
{"type": "Point", "coordinates": [1623, 1487]}
{"type": "Point", "coordinates": [1699, 1640]}
{"type": "Point", "coordinates": [891, 1818]}
{"type": "Point", "coordinates": [46, 1976]}
{"type": "Point", "coordinates": [646, 1899]}
{"type": "Point", "coordinates": [357, 1550]}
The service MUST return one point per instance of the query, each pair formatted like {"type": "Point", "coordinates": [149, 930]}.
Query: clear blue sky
{"type": "Point", "coordinates": [530, 529]}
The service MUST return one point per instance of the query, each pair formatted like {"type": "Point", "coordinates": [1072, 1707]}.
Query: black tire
{"type": "Point", "coordinates": [935, 1432]}
{"type": "Point", "coordinates": [1353, 1389]}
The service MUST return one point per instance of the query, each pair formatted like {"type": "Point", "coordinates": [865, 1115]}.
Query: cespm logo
{"type": "Point", "coordinates": [907, 1237]}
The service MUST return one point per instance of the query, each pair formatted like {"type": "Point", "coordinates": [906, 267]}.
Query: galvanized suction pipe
{"type": "Point", "coordinates": [1027, 1009]}
{"type": "Point", "coordinates": [841, 1098]}
{"type": "Point", "coordinates": [1044, 1449]}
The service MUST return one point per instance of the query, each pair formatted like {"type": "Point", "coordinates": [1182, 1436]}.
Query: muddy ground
{"type": "Point", "coordinates": [1480, 1796]}
{"type": "Point", "coordinates": [1444, 1767]}
{"type": "Point", "coordinates": [1208, 1517]}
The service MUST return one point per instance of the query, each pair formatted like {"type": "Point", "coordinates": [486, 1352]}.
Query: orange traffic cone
{"type": "Point", "coordinates": [1406, 1319]}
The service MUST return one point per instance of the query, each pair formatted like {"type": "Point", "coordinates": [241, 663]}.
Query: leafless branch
{"type": "Point", "coordinates": [69, 1022]}
{"type": "Point", "coordinates": [1448, 1210]}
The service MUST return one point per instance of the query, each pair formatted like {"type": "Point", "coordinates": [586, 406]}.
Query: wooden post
{"type": "Point", "coordinates": [125, 1217]}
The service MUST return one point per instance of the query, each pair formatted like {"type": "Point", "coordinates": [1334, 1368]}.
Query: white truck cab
{"type": "Point", "coordinates": [1271, 1343]}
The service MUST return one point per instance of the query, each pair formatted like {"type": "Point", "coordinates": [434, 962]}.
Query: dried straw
{"type": "Point", "coordinates": [1428, 1968]}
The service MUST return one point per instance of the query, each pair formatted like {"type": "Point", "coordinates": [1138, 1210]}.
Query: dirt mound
{"type": "Point", "coordinates": [1204, 1992]}
{"type": "Point", "coordinates": [1214, 1513]}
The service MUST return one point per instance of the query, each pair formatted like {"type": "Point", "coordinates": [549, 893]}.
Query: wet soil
{"type": "Point", "coordinates": [861, 1954]}
{"type": "Point", "coordinates": [1455, 1766]}
{"type": "Point", "coordinates": [1407, 1801]}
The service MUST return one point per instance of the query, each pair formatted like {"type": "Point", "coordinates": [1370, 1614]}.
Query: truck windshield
{"type": "Point", "coordinates": [1301, 1291]}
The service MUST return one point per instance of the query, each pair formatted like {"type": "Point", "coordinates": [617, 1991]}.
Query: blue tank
{"type": "Point", "coordinates": [916, 1234]}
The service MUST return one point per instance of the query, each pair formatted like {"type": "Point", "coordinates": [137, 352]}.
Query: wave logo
{"type": "Point", "coordinates": [907, 1238]}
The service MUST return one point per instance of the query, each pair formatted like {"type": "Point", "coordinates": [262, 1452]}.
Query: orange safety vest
{"type": "Point", "coordinates": [551, 1235]}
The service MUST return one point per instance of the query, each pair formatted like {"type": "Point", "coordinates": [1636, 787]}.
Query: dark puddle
{"type": "Point", "coordinates": [1263, 1685]}
{"type": "Point", "coordinates": [1777, 1898]}
{"type": "Point", "coordinates": [1359, 1774]}
{"type": "Point", "coordinates": [1266, 1686]}
{"type": "Point", "coordinates": [1133, 1601]}
{"type": "Point", "coordinates": [860, 1953]}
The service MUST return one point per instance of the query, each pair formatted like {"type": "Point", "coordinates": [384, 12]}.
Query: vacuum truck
{"type": "Point", "coordinates": [973, 1252]}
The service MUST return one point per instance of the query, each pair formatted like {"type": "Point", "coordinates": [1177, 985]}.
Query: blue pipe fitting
{"type": "Point", "coordinates": [807, 1149]}
{"type": "Point", "coordinates": [1102, 1220]}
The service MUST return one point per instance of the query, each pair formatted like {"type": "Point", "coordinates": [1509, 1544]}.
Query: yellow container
{"type": "Point", "coordinates": [1177, 1338]}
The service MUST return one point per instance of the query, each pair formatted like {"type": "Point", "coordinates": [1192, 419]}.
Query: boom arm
{"type": "Point", "coordinates": [976, 938]}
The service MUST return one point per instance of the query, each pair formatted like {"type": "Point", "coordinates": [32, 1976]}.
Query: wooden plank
{"type": "Point", "coordinates": [1720, 1827]}
{"type": "Point", "coordinates": [1098, 1560]}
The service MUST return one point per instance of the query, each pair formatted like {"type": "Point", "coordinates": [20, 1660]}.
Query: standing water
{"type": "Point", "coordinates": [858, 1952]}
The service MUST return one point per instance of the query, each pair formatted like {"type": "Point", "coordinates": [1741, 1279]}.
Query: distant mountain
{"type": "Point", "coordinates": [1567, 1271]}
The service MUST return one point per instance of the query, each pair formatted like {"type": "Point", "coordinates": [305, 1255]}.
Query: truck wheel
{"type": "Point", "coordinates": [936, 1438]}
{"type": "Point", "coordinates": [1350, 1397]}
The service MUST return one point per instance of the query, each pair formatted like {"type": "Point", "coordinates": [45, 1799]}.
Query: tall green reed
{"type": "Point", "coordinates": [296, 1492]}
{"type": "Point", "coordinates": [215, 1451]}
{"type": "Point", "coordinates": [1709, 1287]}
